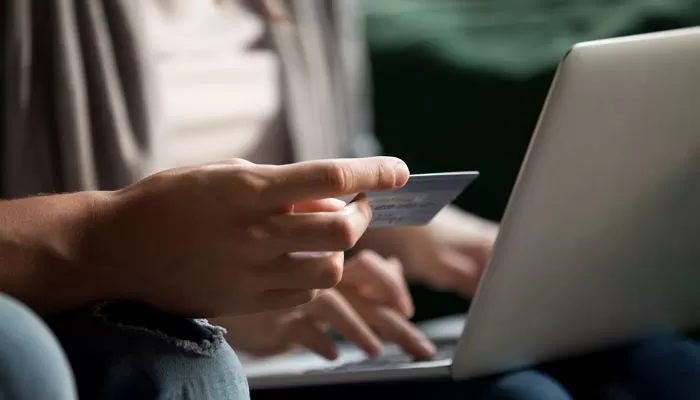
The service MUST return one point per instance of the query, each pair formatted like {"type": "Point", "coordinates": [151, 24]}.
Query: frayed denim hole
{"type": "Point", "coordinates": [195, 335]}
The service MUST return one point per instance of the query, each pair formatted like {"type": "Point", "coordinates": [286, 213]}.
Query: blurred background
{"type": "Point", "coordinates": [456, 84]}
{"type": "Point", "coordinates": [459, 84]}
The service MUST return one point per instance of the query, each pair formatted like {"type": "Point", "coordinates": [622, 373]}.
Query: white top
{"type": "Point", "coordinates": [217, 94]}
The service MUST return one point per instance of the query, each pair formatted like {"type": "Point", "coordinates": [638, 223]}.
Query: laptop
{"type": "Point", "coordinates": [600, 242]}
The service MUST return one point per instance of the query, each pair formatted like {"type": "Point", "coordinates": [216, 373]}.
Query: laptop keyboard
{"type": "Point", "coordinates": [443, 352]}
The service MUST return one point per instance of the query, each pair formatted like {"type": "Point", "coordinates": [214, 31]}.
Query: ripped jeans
{"type": "Point", "coordinates": [127, 351]}
{"type": "Point", "coordinates": [114, 351]}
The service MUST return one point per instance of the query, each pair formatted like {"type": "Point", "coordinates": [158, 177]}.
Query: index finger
{"type": "Point", "coordinates": [312, 180]}
{"type": "Point", "coordinates": [332, 308]}
{"type": "Point", "coordinates": [394, 328]}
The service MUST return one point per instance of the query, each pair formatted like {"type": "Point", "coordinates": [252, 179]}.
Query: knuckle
{"type": "Point", "coordinates": [344, 232]}
{"type": "Point", "coordinates": [240, 161]}
{"type": "Point", "coordinates": [252, 233]}
{"type": "Point", "coordinates": [366, 258]}
{"type": "Point", "coordinates": [324, 296]}
{"type": "Point", "coordinates": [338, 178]}
{"type": "Point", "coordinates": [384, 176]}
{"type": "Point", "coordinates": [330, 273]}
{"type": "Point", "coordinates": [483, 251]}
{"type": "Point", "coordinates": [395, 270]}
{"type": "Point", "coordinates": [443, 260]}
{"type": "Point", "coordinates": [456, 277]}
{"type": "Point", "coordinates": [249, 182]}
{"type": "Point", "coordinates": [307, 296]}
{"type": "Point", "coordinates": [256, 234]}
{"type": "Point", "coordinates": [301, 298]}
{"type": "Point", "coordinates": [273, 227]}
{"type": "Point", "coordinates": [365, 208]}
{"type": "Point", "coordinates": [322, 299]}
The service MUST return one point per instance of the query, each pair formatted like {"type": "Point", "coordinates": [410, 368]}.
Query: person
{"type": "Point", "coordinates": [258, 240]}
{"type": "Point", "coordinates": [154, 246]}
{"type": "Point", "coordinates": [202, 50]}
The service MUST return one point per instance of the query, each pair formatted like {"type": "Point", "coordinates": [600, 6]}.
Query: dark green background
{"type": "Point", "coordinates": [459, 84]}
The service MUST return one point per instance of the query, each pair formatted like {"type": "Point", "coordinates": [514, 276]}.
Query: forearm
{"type": "Point", "coordinates": [43, 259]}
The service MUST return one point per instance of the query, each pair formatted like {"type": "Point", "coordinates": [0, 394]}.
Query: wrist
{"type": "Point", "coordinates": [79, 246]}
{"type": "Point", "coordinates": [46, 244]}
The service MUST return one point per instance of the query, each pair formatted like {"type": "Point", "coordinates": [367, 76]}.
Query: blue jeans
{"type": "Point", "coordinates": [125, 351]}
{"type": "Point", "coordinates": [114, 351]}
{"type": "Point", "coordinates": [32, 365]}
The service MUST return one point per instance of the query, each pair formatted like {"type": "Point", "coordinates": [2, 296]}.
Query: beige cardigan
{"type": "Point", "coordinates": [77, 111]}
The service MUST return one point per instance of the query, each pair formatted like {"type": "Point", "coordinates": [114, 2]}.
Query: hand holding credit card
{"type": "Point", "coordinates": [423, 196]}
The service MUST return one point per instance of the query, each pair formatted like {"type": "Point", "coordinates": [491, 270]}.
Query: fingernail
{"type": "Point", "coordinates": [331, 355]}
{"type": "Point", "coordinates": [408, 309]}
{"type": "Point", "coordinates": [428, 346]}
{"type": "Point", "coordinates": [402, 173]}
{"type": "Point", "coordinates": [375, 349]}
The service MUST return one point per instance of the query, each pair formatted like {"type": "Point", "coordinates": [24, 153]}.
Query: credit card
{"type": "Point", "coordinates": [415, 204]}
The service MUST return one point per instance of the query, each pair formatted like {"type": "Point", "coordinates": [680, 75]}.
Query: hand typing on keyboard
{"type": "Point", "coordinates": [392, 358]}
{"type": "Point", "coordinates": [371, 302]}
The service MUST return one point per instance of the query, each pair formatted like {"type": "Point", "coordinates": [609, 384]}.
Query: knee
{"type": "Point", "coordinates": [523, 385]}
{"type": "Point", "coordinates": [670, 355]}
{"type": "Point", "coordinates": [671, 349]}
{"type": "Point", "coordinates": [666, 367]}
{"type": "Point", "coordinates": [123, 350]}
{"type": "Point", "coordinates": [29, 353]}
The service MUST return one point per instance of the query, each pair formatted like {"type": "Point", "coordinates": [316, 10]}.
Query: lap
{"type": "Point", "coordinates": [521, 385]}
{"type": "Point", "coordinates": [123, 350]}
{"type": "Point", "coordinates": [29, 350]}
{"type": "Point", "coordinates": [664, 367]}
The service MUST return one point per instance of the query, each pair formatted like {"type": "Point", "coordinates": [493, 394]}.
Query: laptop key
{"type": "Point", "coordinates": [391, 360]}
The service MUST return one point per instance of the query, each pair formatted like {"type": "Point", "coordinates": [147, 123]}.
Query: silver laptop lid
{"type": "Point", "coordinates": [601, 239]}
